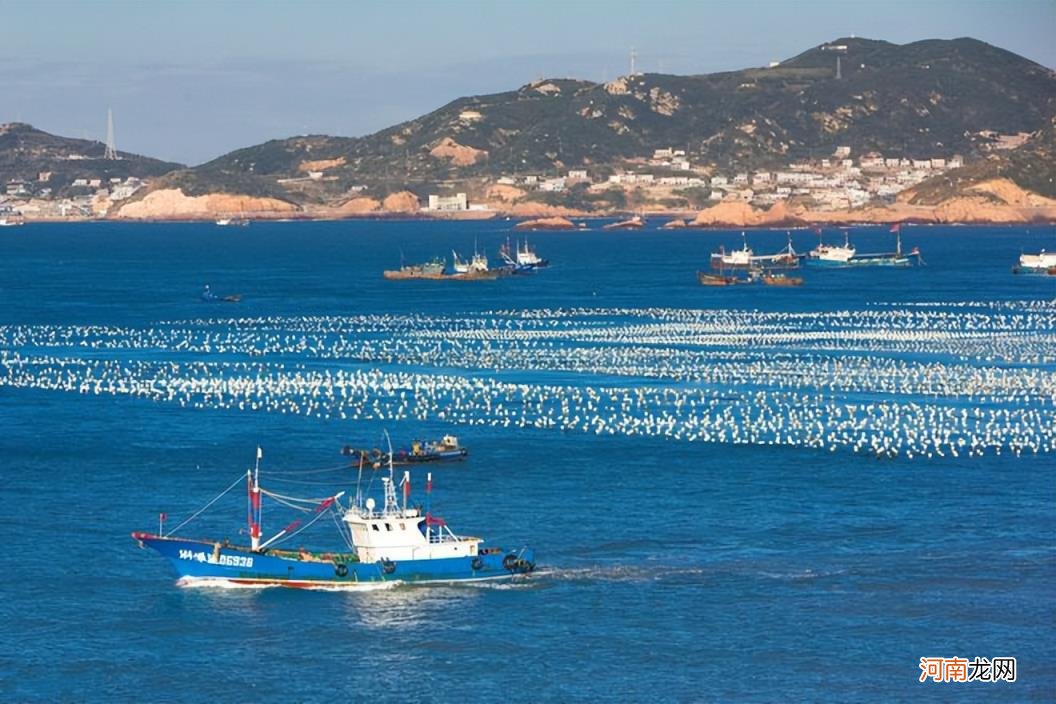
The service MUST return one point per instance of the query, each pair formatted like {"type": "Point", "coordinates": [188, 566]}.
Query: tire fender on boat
{"type": "Point", "coordinates": [388, 566]}
{"type": "Point", "coordinates": [510, 562]}
{"type": "Point", "coordinates": [477, 564]}
{"type": "Point", "coordinates": [341, 570]}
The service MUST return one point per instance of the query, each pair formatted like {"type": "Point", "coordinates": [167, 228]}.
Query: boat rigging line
{"type": "Point", "coordinates": [203, 508]}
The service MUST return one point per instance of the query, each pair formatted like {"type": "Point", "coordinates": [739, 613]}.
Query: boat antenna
{"type": "Point", "coordinates": [359, 480]}
{"type": "Point", "coordinates": [389, 441]}
{"type": "Point", "coordinates": [428, 492]}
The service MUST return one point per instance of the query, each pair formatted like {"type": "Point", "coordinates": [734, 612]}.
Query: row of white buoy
{"type": "Point", "coordinates": [883, 425]}
{"type": "Point", "coordinates": [995, 338]}
{"type": "Point", "coordinates": [729, 361]}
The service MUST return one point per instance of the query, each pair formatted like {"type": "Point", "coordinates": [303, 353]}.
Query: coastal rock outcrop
{"type": "Point", "coordinates": [174, 204]}
{"type": "Point", "coordinates": [740, 214]}
{"type": "Point", "coordinates": [554, 223]}
{"type": "Point", "coordinates": [401, 202]}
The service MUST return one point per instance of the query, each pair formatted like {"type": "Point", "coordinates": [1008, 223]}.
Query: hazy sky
{"type": "Point", "coordinates": [191, 80]}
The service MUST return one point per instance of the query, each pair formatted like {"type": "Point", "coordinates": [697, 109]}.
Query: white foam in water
{"type": "Point", "coordinates": [215, 583]}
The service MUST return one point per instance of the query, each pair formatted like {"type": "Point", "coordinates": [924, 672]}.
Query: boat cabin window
{"type": "Point", "coordinates": [403, 526]}
{"type": "Point", "coordinates": [374, 526]}
{"type": "Point", "coordinates": [388, 527]}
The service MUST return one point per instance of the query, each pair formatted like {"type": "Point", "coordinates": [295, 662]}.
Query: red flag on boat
{"type": "Point", "coordinates": [163, 517]}
{"type": "Point", "coordinates": [897, 227]}
{"type": "Point", "coordinates": [431, 520]}
{"type": "Point", "coordinates": [324, 504]}
{"type": "Point", "coordinates": [290, 527]}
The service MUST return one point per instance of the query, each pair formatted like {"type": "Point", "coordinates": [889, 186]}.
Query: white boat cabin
{"type": "Point", "coordinates": [403, 533]}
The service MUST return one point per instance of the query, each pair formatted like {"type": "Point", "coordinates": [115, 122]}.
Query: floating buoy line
{"type": "Point", "coordinates": [915, 380]}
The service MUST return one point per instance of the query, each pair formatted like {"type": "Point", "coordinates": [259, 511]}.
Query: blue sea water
{"type": "Point", "coordinates": [669, 569]}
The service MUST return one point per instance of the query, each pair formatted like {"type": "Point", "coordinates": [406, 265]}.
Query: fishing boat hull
{"type": "Point", "coordinates": [832, 263]}
{"type": "Point", "coordinates": [706, 279]}
{"type": "Point", "coordinates": [1034, 271]}
{"type": "Point", "coordinates": [879, 261]}
{"type": "Point", "coordinates": [197, 561]}
{"type": "Point", "coordinates": [782, 280]}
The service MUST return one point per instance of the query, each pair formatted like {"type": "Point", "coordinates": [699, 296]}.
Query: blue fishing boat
{"type": "Point", "coordinates": [896, 258]}
{"type": "Point", "coordinates": [396, 542]}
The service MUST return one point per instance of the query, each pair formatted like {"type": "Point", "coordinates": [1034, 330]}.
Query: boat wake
{"type": "Point", "coordinates": [213, 583]}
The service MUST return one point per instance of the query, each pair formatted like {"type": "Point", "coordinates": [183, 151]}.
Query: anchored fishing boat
{"type": "Point", "coordinates": [396, 542]}
{"type": "Point", "coordinates": [831, 255]}
{"type": "Point", "coordinates": [778, 279]}
{"type": "Point", "coordinates": [433, 269]}
{"type": "Point", "coordinates": [478, 264]}
{"type": "Point", "coordinates": [446, 449]}
{"type": "Point", "coordinates": [706, 279]}
{"type": "Point", "coordinates": [745, 258]}
{"type": "Point", "coordinates": [896, 258]}
{"type": "Point", "coordinates": [735, 259]}
{"type": "Point", "coordinates": [521, 259]}
{"type": "Point", "coordinates": [1041, 263]}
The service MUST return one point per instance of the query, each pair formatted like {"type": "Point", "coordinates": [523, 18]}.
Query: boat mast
{"type": "Point", "coordinates": [253, 479]}
{"type": "Point", "coordinates": [428, 504]}
{"type": "Point", "coordinates": [406, 489]}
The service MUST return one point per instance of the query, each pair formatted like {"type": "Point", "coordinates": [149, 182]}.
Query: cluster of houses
{"type": "Point", "coordinates": [839, 181]}
{"type": "Point", "coordinates": [82, 196]}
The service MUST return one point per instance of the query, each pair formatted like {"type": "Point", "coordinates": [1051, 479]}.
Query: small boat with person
{"type": "Point", "coordinates": [394, 542]}
{"type": "Point", "coordinates": [239, 221]}
{"type": "Point", "coordinates": [208, 296]}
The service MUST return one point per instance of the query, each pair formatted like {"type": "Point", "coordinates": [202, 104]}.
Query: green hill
{"type": "Point", "coordinates": [1031, 166]}
{"type": "Point", "coordinates": [934, 98]}
{"type": "Point", "coordinates": [26, 152]}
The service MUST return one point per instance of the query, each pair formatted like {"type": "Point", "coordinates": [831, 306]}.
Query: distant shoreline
{"type": "Point", "coordinates": [652, 218]}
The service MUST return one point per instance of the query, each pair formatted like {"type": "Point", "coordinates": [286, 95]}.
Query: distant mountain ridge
{"type": "Point", "coordinates": [933, 98]}
{"type": "Point", "coordinates": [26, 152]}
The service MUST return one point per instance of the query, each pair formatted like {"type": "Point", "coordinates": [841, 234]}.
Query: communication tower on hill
{"type": "Point", "coordinates": [111, 148]}
{"type": "Point", "coordinates": [634, 58]}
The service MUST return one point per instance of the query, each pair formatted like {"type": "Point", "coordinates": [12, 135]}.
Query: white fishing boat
{"type": "Point", "coordinates": [734, 259]}
{"type": "Point", "coordinates": [526, 256]}
{"type": "Point", "coordinates": [832, 254]}
{"type": "Point", "coordinates": [478, 264]}
{"type": "Point", "coordinates": [1041, 263]}
{"type": "Point", "coordinates": [11, 222]}
{"type": "Point", "coordinates": [521, 258]}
